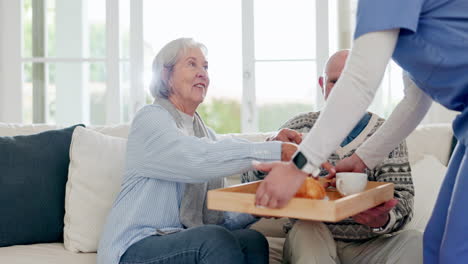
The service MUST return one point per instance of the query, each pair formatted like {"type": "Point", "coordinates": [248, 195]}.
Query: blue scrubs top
{"type": "Point", "coordinates": [432, 47]}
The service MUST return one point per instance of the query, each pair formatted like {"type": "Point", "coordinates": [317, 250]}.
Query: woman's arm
{"type": "Point", "coordinates": [158, 149]}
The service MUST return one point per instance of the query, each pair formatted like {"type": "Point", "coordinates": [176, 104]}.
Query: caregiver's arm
{"type": "Point", "coordinates": [406, 116]}
{"type": "Point", "coordinates": [351, 95]}
{"type": "Point", "coordinates": [346, 104]}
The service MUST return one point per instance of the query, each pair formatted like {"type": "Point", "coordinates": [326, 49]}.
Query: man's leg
{"type": "Point", "coordinates": [310, 242]}
{"type": "Point", "coordinates": [454, 246]}
{"type": "Point", "coordinates": [205, 244]}
{"type": "Point", "coordinates": [435, 227]}
{"type": "Point", "coordinates": [404, 248]}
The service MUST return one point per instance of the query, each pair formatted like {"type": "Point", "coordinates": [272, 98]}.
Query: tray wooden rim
{"type": "Point", "coordinates": [233, 199]}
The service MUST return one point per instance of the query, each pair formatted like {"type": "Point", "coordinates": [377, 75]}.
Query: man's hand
{"type": "Point", "coordinates": [351, 164]}
{"type": "Point", "coordinates": [287, 151]}
{"type": "Point", "coordinates": [287, 135]}
{"type": "Point", "coordinates": [280, 185]}
{"type": "Point", "coordinates": [377, 216]}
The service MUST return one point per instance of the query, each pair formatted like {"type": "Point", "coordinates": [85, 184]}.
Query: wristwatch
{"type": "Point", "coordinates": [303, 164]}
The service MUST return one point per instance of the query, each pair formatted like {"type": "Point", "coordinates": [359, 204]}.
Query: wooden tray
{"type": "Point", "coordinates": [241, 198]}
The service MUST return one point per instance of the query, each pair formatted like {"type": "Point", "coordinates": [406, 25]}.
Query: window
{"type": "Point", "coordinates": [391, 90]}
{"type": "Point", "coordinates": [216, 24]}
{"type": "Point", "coordinates": [75, 61]}
{"type": "Point", "coordinates": [285, 60]}
{"type": "Point", "coordinates": [91, 62]}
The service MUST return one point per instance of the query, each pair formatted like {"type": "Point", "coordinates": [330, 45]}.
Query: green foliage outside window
{"type": "Point", "coordinates": [222, 115]}
{"type": "Point", "coordinates": [272, 116]}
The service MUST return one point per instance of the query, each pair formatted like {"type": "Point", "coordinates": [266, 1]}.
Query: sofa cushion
{"type": "Point", "coordinates": [434, 139]}
{"type": "Point", "coordinates": [427, 174]}
{"type": "Point", "coordinates": [95, 173]}
{"type": "Point", "coordinates": [120, 131]}
{"type": "Point", "coordinates": [33, 174]}
{"type": "Point", "coordinates": [53, 253]}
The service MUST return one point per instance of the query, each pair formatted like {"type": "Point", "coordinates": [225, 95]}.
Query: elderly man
{"type": "Point", "coordinates": [373, 236]}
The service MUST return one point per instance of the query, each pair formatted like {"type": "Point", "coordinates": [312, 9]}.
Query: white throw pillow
{"type": "Point", "coordinates": [94, 178]}
{"type": "Point", "coordinates": [427, 174]}
{"type": "Point", "coordinates": [421, 142]}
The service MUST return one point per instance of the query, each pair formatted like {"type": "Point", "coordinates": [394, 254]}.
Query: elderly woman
{"type": "Point", "coordinates": [160, 214]}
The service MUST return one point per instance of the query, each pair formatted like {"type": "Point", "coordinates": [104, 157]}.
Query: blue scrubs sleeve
{"type": "Point", "coordinates": [378, 15]}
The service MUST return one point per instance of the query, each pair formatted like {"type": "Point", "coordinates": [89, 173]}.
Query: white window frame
{"type": "Point", "coordinates": [10, 64]}
{"type": "Point", "coordinates": [249, 112]}
{"type": "Point", "coordinates": [12, 75]}
{"type": "Point", "coordinates": [11, 60]}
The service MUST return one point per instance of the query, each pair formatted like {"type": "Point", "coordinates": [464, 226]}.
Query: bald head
{"type": "Point", "coordinates": [333, 69]}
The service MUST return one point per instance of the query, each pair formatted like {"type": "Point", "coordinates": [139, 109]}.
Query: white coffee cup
{"type": "Point", "coordinates": [348, 183]}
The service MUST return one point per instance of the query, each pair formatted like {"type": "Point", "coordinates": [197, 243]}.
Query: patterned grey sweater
{"type": "Point", "coordinates": [395, 168]}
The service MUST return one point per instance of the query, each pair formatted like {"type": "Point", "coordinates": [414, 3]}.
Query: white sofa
{"type": "Point", "coordinates": [429, 147]}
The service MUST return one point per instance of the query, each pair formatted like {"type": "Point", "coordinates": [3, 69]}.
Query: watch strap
{"type": "Point", "coordinates": [307, 167]}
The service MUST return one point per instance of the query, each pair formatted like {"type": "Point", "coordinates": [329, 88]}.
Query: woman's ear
{"type": "Point", "coordinates": [166, 77]}
{"type": "Point", "coordinates": [320, 81]}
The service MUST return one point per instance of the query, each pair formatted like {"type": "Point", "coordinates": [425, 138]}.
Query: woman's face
{"type": "Point", "coordinates": [189, 80]}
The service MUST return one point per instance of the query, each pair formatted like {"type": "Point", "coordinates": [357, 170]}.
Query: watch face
{"type": "Point", "coordinates": [300, 160]}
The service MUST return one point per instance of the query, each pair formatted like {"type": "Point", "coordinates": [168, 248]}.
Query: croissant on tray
{"type": "Point", "coordinates": [312, 189]}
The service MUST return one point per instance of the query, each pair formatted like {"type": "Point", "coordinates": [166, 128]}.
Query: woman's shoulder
{"type": "Point", "coordinates": [151, 114]}
{"type": "Point", "coordinates": [151, 110]}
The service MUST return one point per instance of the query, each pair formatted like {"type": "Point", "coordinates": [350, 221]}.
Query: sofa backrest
{"type": "Point", "coordinates": [434, 139]}
{"type": "Point", "coordinates": [29, 129]}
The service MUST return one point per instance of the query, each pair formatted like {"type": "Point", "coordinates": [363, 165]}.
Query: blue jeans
{"type": "Point", "coordinates": [205, 244]}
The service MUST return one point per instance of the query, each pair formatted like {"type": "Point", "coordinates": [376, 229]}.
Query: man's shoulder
{"type": "Point", "coordinates": [302, 121]}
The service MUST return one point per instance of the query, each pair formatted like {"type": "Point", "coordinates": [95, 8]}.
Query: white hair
{"type": "Point", "coordinates": [165, 61]}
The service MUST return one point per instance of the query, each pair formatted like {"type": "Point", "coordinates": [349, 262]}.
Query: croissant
{"type": "Point", "coordinates": [311, 188]}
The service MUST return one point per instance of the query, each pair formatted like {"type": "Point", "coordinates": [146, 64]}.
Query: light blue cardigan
{"type": "Point", "coordinates": [160, 160]}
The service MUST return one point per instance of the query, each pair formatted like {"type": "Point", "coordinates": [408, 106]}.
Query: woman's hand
{"type": "Point", "coordinates": [287, 135]}
{"type": "Point", "coordinates": [287, 151]}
